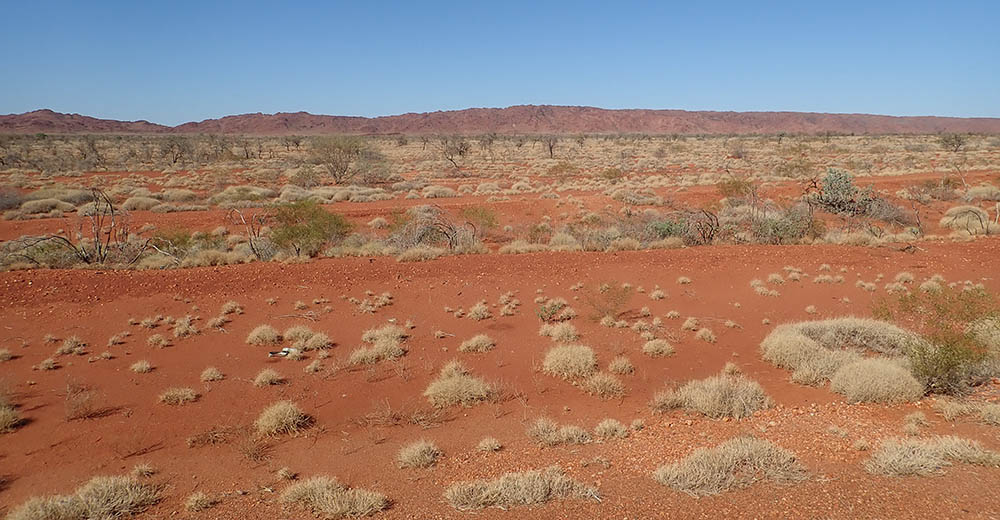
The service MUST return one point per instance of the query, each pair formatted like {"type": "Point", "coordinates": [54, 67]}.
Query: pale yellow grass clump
{"type": "Point", "coordinates": [100, 498]}
{"type": "Point", "coordinates": [281, 417]}
{"type": "Point", "coordinates": [264, 335]}
{"type": "Point", "coordinates": [329, 499]}
{"type": "Point", "coordinates": [724, 395]}
{"type": "Point", "coordinates": [199, 501]}
{"type": "Point", "coordinates": [610, 429]}
{"type": "Point", "coordinates": [621, 365]}
{"type": "Point", "coordinates": [876, 380]}
{"type": "Point", "coordinates": [178, 396]}
{"type": "Point", "coordinates": [604, 385]}
{"type": "Point", "coordinates": [477, 343]}
{"type": "Point", "coordinates": [418, 454]}
{"type": "Point", "coordinates": [547, 432]}
{"type": "Point", "coordinates": [657, 348]}
{"type": "Point", "coordinates": [385, 345]}
{"type": "Point", "coordinates": [455, 385]}
{"type": "Point", "coordinates": [562, 332]}
{"type": "Point", "coordinates": [902, 457]}
{"type": "Point", "coordinates": [268, 377]}
{"type": "Point", "coordinates": [141, 367]}
{"type": "Point", "coordinates": [489, 444]}
{"type": "Point", "coordinates": [736, 463]}
{"type": "Point", "coordinates": [517, 489]}
{"type": "Point", "coordinates": [211, 374]}
{"type": "Point", "coordinates": [570, 361]}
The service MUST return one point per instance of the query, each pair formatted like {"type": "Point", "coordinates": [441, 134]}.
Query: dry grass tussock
{"type": "Point", "coordinates": [264, 335]}
{"type": "Point", "coordinates": [281, 417]}
{"type": "Point", "coordinates": [987, 413]}
{"type": "Point", "coordinates": [100, 498]}
{"type": "Point", "coordinates": [724, 395]}
{"type": "Point", "coordinates": [604, 385]}
{"type": "Point", "coordinates": [562, 332]}
{"type": "Point", "coordinates": [418, 454]}
{"type": "Point", "coordinates": [199, 501]}
{"type": "Point", "coordinates": [658, 348]}
{"type": "Point", "coordinates": [328, 498]}
{"type": "Point", "coordinates": [268, 377]}
{"type": "Point", "coordinates": [478, 343]}
{"type": "Point", "coordinates": [455, 385]}
{"type": "Point", "coordinates": [10, 418]}
{"type": "Point", "coordinates": [876, 380]}
{"type": "Point", "coordinates": [570, 361]}
{"type": "Point", "coordinates": [547, 432]}
{"type": "Point", "coordinates": [178, 396]}
{"type": "Point", "coordinates": [610, 429]}
{"type": "Point", "coordinates": [517, 489]}
{"type": "Point", "coordinates": [818, 351]}
{"type": "Point", "coordinates": [736, 463]}
{"type": "Point", "coordinates": [903, 457]}
{"type": "Point", "coordinates": [385, 343]}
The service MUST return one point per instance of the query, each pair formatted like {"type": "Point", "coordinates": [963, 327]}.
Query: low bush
{"type": "Point", "coordinates": [328, 498]}
{"type": "Point", "coordinates": [724, 395]}
{"type": "Point", "coordinates": [736, 463]}
{"type": "Point", "coordinates": [517, 489]}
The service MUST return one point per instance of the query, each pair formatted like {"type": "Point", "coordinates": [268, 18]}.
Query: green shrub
{"type": "Point", "coordinates": [304, 227]}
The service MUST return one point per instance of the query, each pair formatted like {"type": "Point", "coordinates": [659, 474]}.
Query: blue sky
{"type": "Point", "coordinates": [177, 61]}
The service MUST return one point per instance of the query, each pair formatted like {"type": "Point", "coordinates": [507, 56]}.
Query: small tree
{"type": "Point", "coordinates": [952, 142]}
{"type": "Point", "coordinates": [304, 227]}
{"type": "Point", "coordinates": [338, 154]}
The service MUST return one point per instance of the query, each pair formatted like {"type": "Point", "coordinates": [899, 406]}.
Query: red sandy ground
{"type": "Point", "coordinates": [52, 455]}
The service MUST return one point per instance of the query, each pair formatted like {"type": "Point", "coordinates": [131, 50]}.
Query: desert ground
{"type": "Point", "coordinates": [587, 326]}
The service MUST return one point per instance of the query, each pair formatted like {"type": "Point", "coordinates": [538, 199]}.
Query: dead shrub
{"type": "Point", "coordinates": [99, 498]}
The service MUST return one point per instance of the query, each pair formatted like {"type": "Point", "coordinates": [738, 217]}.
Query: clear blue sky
{"type": "Point", "coordinates": [176, 61]}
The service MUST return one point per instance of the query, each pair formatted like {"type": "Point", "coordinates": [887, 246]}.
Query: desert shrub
{"type": "Point", "coordinates": [418, 454]}
{"type": "Point", "coordinates": [385, 344]}
{"type": "Point", "coordinates": [199, 501]}
{"type": "Point", "coordinates": [477, 343]}
{"type": "Point", "coordinates": [983, 192]}
{"type": "Point", "coordinates": [903, 457]}
{"type": "Point", "coordinates": [304, 227]}
{"type": "Point", "coordinates": [604, 385]}
{"type": "Point", "coordinates": [482, 217]}
{"type": "Point", "coordinates": [10, 198]}
{"type": "Point", "coordinates": [328, 498]}
{"type": "Point", "coordinates": [562, 332]}
{"type": "Point", "coordinates": [816, 350]}
{"type": "Point", "coordinates": [99, 498]}
{"type": "Point", "coordinates": [953, 352]}
{"type": "Point", "coordinates": [621, 365]}
{"type": "Point", "coordinates": [265, 335]}
{"type": "Point", "coordinates": [570, 361]}
{"type": "Point", "coordinates": [837, 194]}
{"type": "Point", "coordinates": [10, 418]}
{"type": "Point", "coordinates": [32, 207]}
{"type": "Point", "coordinates": [281, 417]}
{"type": "Point", "coordinates": [736, 463]}
{"type": "Point", "coordinates": [988, 413]}
{"type": "Point", "coordinates": [480, 311]}
{"type": "Point", "coordinates": [517, 489]}
{"type": "Point", "coordinates": [211, 374]}
{"type": "Point", "coordinates": [177, 396]}
{"type": "Point", "coordinates": [489, 444]}
{"type": "Point", "coordinates": [141, 367]}
{"type": "Point", "coordinates": [234, 195]}
{"type": "Point", "coordinates": [547, 432]}
{"type": "Point", "coordinates": [455, 385]}
{"type": "Point", "coordinates": [657, 348]}
{"type": "Point", "coordinates": [611, 429]}
{"type": "Point", "coordinates": [139, 203]}
{"type": "Point", "coordinates": [876, 380]}
{"type": "Point", "coordinates": [268, 377]}
{"type": "Point", "coordinates": [724, 395]}
{"type": "Point", "coordinates": [969, 219]}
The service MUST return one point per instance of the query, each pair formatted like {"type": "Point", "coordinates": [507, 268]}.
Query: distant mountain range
{"type": "Point", "coordinates": [522, 119]}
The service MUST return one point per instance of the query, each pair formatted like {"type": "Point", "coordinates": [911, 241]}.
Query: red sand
{"type": "Point", "coordinates": [51, 455]}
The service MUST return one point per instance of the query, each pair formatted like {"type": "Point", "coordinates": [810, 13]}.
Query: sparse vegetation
{"type": "Point", "coordinates": [280, 418]}
{"type": "Point", "coordinates": [326, 497]}
{"type": "Point", "coordinates": [736, 463]}
{"type": "Point", "coordinates": [724, 395]}
{"type": "Point", "coordinates": [517, 489]}
{"type": "Point", "coordinates": [904, 457]}
{"type": "Point", "coordinates": [570, 361]}
{"type": "Point", "coordinates": [455, 385]}
{"type": "Point", "coordinates": [418, 454]}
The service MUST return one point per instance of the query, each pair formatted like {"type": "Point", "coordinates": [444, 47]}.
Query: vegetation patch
{"type": "Point", "coordinates": [517, 489]}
